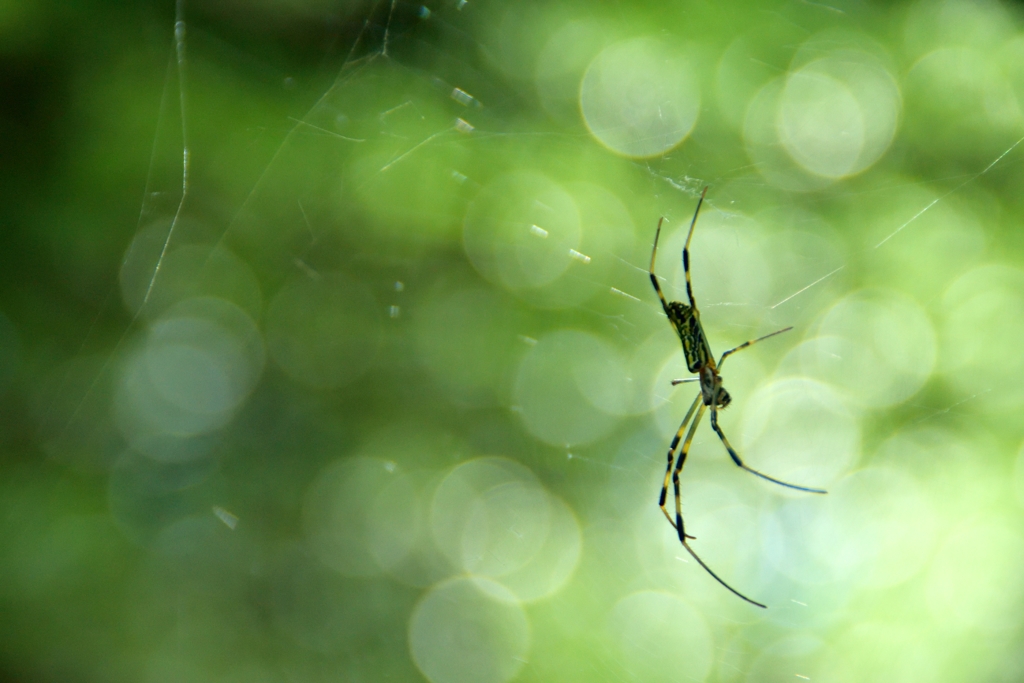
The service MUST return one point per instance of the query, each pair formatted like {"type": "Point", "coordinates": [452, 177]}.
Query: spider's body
{"type": "Point", "coordinates": [685, 320]}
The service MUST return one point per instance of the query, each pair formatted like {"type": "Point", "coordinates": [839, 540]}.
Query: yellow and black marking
{"type": "Point", "coordinates": [685, 320]}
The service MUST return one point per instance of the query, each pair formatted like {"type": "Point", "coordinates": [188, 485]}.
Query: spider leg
{"type": "Point", "coordinates": [686, 251]}
{"type": "Point", "coordinates": [748, 344]}
{"type": "Point", "coordinates": [654, 278]}
{"type": "Point", "coordinates": [679, 509]}
{"type": "Point", "coordinates": [671, 458]}
{"type": "Point", "coordinates": [739, 462]}
{"type": "Point", "coordinates": [679, 468]}
{"type": "Point", "coordinates": [717, 578]}
{"type": "Point", "coordinates": [677, 382]}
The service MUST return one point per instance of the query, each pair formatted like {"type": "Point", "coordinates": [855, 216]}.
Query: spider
{"type": "Point", "coordinates": [700, 361]}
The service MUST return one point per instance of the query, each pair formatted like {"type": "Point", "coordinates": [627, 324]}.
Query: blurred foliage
{"type": "Point", "coordinates": [384, 393]}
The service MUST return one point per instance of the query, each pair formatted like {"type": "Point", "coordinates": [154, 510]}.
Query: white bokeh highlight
{"type": "Point", "coordinates": [798, 430]}
{"type": "Point", "coordinates": [570, 388]}
{"type": "Point", "coordinates": [876, 346]}
{"type": "Point", "coordinates": [156, 274]}
{"type": "Point", "coordinates": [491, 517]}
{"type": "Point", "coordinates": [830, 118]}
{"type": "Point", "coordinates": [838, 114]}
{"type": "Point", "coordinates": [520, 230]}
{"type": "Point", "coordinates": [640, 98]}
{"type": "Point", "coordinates": [200, 360]}
{"type": "Point", "coordinates": [981, 334]}
{"type": "Point", "coordinates": [877, 528]}
{"type": "Point", "coordinates": [337, 516]}
{"type": "Point", "coordinates": [469, 631]}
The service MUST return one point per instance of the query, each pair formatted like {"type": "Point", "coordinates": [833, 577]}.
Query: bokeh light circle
{"type": "Point", "coordinates": [570, 387]}
{"type": "Point", "coordinates": [184, 272]}
{"type": "Point", "coordinates": [639, 98]}
{"type": "Point", "coordinates": [820, 124]}
{"type": "Point", "coordinates": [878, 346]}
{"type": "Point", "coordinates": [661, 638]}
{"type": "Point", "coordinates": [506, 527]}
{"type": "Point", "coordinates": [837, 115]}
{"type": "Point", "coordinates": [766, 149]}
{"type": "Point", "coordinates": [799, 431]}
{"type": "Point", "coordinates": [492, 518]}
{"type": "Point", "coordinates": [460, 492]}
{"type": "Point", "coordinates": [981, 333]}
{"type": "Point", "coordinates": [878, 528]}
{"type": "Point", "coordinates": [556, 558]}
{"type": "Point", "coordinates": [831, 118]}
{"type": "Point", "coordinates": [394, 527]}
{"type": "Point", "coordinates": [521, 230]}
{"type": "Point", "coordinates": [469, 631]}
{"type": "Point", "coordinates": [961, 102]}
{"type": "Point", "coordinates": [971, 465]}
{"type": "Point", "coordinates": [200, 360]}
{"type": "Point", "coordinates": [323, 332]}
{"type": "Point", "coordinates": [337, 515]}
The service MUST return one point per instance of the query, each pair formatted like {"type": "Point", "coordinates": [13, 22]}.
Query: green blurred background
{"type": "Point", "coordinates": [386, 396]}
